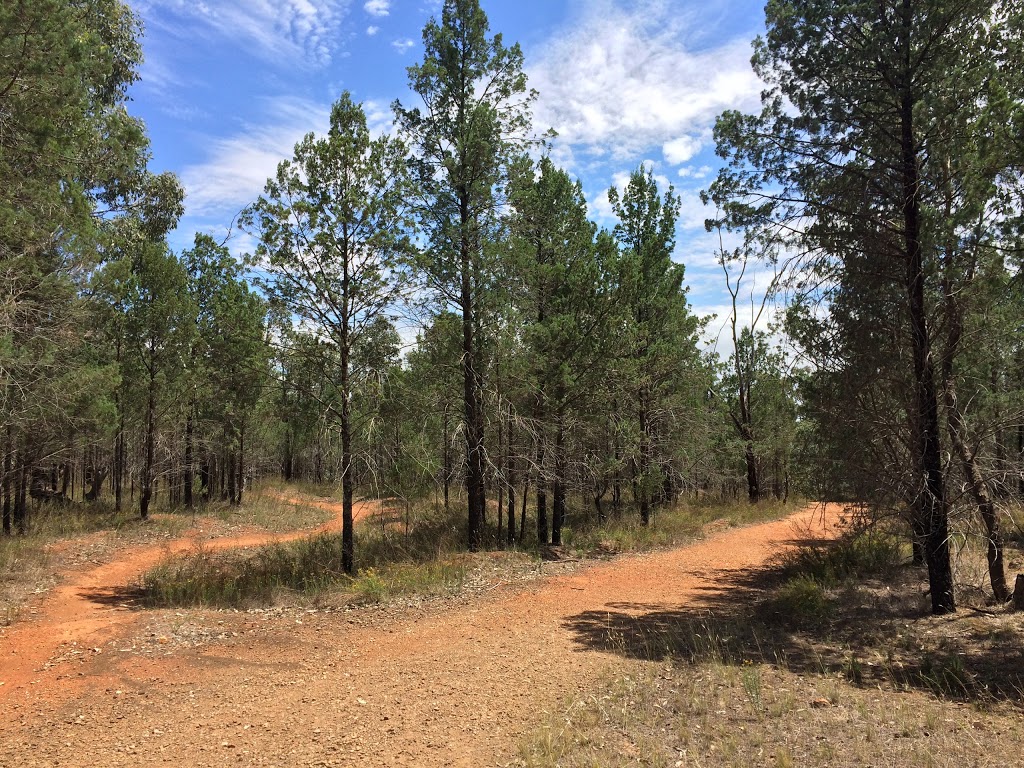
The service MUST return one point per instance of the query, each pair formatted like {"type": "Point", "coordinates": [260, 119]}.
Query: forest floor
{"type": "Point", "coordinates": [494, 675]}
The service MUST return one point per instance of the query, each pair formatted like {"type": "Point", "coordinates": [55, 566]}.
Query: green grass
{"type": "Point", "coordinates": [389, 563]}
{"type": "Point", "coordinates": [428, 560]}
{"type": "Point", "coordinates": [856, 555]}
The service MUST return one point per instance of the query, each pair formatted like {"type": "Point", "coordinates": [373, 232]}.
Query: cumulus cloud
{"type": "Point", "coordinates": [623, 82]}
{"type": "Point", "coordinates": [238, 166]}
{"type": "Point", "coordinates": [377, 7]}
{"type": "Point", "coordinates": [681, 150]}
{"type": "Point", "coordinates": [402, 45]}
{"type": "Point", "coordinates": [306, 31]}
{"type": "Point", "coordinates": [372, 30]}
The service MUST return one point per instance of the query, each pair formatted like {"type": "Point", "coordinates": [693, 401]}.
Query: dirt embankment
{"type": "Point", "coordinates": [437, 685]}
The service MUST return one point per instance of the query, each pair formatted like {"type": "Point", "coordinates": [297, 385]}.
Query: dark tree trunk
{"type": "Point", "coordinates": [147, 472]}
{"type": "Point", "coordinates": [347, 481]}
{"type": "Point", "coordinates": [21, 501]}
{"type": "Point", "coordinates": [510, 535]}
{"type": "Point", "coordinates": [231, 470]}
{"type": "Point", "coordinates": [646, 450]}
{"type": "Point", "coordinates": [119, 447]}
{"type": "Point", "coordinates": [542, 496]}
{"type": "Point", "coordinates": [522, 505]}
{"type": "Point", "coordinates": [502, 472]}
{"type": "Point", "coordinates": [240, 467]}
{"type": "Point", "coordinates": [189, 469]}
{"type": "Point", "coordinates": [1020, 458]}
{"type": "Point", "coordinates": [931, 497]}
{"type": "Point", "coordinates": [223, 467]}
{"type": "Point", "coordinates": [472, 383]}
{"type": "Point", "coordinates": [8, 480]}
{"type": "Point", "coordinates": [753, 484]}
{"type": "Point", "coordinates": [446, 457]}
{"type": "Point", "coordinates": [617, 455]}
{"type": "Point", "coordinates": [288, 465]}
{"type": "Point", "coordinates": [600, 491]}
{"type": "Point", "coordinates": [206, 476]}
{"type": "Point", "coordinates": [558, 486]}
{"type": "Point", "coordinates": [956, 425]}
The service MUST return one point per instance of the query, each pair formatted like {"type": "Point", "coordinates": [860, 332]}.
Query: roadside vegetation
{"type": "Point", "coordinates": [827, 657]}
{"type": "Point", "coordinates": [419, 551]}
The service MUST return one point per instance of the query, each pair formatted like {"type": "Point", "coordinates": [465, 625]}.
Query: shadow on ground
{"type": "Point", "coordinates": [872, 633]}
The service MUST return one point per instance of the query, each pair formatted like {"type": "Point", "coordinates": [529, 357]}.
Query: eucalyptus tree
{"type": "Point", "coordinates": [333, 229]}
{"type": "Point", "coordinates": [475, 117]}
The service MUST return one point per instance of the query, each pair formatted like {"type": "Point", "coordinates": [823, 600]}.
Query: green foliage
{"type": "Point", "coordinates": [801, 602]}
{"type": "Point", "coordinates": [854, 556]}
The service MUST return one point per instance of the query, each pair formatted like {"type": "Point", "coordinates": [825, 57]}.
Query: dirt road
{"type": "Point", "coordinates": [429, 686]}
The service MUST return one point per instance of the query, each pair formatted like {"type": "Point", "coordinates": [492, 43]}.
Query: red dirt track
{"type": "Point", "coordinates": [434, 685]}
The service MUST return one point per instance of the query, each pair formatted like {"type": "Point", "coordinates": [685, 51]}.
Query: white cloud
{"type": "Point", "coordinates": [693, 212]}
{"type": "Point", "coordinates": [379, 117]}
{"type": "Point", "coordinates": [689, 172]}
{"type": "Point", "coordinates": [627, 82]}
{"type": "Point", "coordinates": [372, 30]}
{"type": "Point", "coordinates": [306, 31]}
{"type": "Point", "coordinates": [402, 45]}
{"type": "Point", "coordinates": [681, 150]}
{"type": "Point", "coordinates": [377, 7]}
{"type": "Point", "coordinates": [238, 166]}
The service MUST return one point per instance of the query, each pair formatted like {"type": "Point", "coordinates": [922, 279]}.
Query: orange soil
{"type": "Point", "coordinates": [438, 685]}
{"type": "Point", "coordinates": [84, 611]}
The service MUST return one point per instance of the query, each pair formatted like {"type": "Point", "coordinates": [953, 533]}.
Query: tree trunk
{"type": "Point", "coordinates": [558, 487]}
{"type": "Point", "coordinates": [21, 501]}
{"type": "Point", "coordinates": [446, 458]}
{"type": "Point", "coordinates": [240, 467]}
{"type": "Point", "coordinates": [231, 472]}
{"type": "Point", "coordinates": [189, 470]}
{"type": "Point", "coordinates": [646, 449]}
{"type": "Point", "coordinates": [502, 470]}
{"type": "Point", "coordinates": [206, 476]}
{"type": "Point", "coordinates": [931, 497]}
{"type": "Point", "coordinates": [956, 425]}
{"type": "Point", "coordinates": [347, 481]}
{"type": "Point", "coordinates": [957, 428]}
{"type": "Point", "coordinates": [753, 485]}
{"type": "Point", "coordinates": [8, 480]}
{"type": "Point", "coordinates": [522, 505]}
{"type": "Point", "coordinates": [1020, 458]}
{"type": "Point", "coordinates": [147, 473]}
{"type": "Point", "coordinates": [471, 379]}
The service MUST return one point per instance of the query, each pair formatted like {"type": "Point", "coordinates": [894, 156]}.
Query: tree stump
{"type": "Point", "coordinates": [1018, 593]}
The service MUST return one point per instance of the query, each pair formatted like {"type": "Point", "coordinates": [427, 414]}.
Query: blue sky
{"type": "Point", "coordinates": [229, 86]}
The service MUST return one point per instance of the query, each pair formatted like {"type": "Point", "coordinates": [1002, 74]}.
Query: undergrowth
{"type": "Point", "coordinates": [669, 527]}
{"type": "Point", "coordinates": [390, 563]}
{"type": "Point", "coordinates": [425, 559]}
{"type": "Point", "coordinates": [829, 658]}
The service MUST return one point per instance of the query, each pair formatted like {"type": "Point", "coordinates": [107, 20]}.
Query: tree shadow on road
{"type": "Point", "coordinates": [874, 632]}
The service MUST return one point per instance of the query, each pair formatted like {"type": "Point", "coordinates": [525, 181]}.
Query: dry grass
{"type": "Point", "coordinates": [760, 714]}
{"type": "Point", "coordinates": [827, 658]}
{"type": "Point", "coordinates": [669, 527]}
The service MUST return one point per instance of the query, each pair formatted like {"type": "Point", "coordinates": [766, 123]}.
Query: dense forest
{"type": "Point", "coordinates": [432, 315]}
